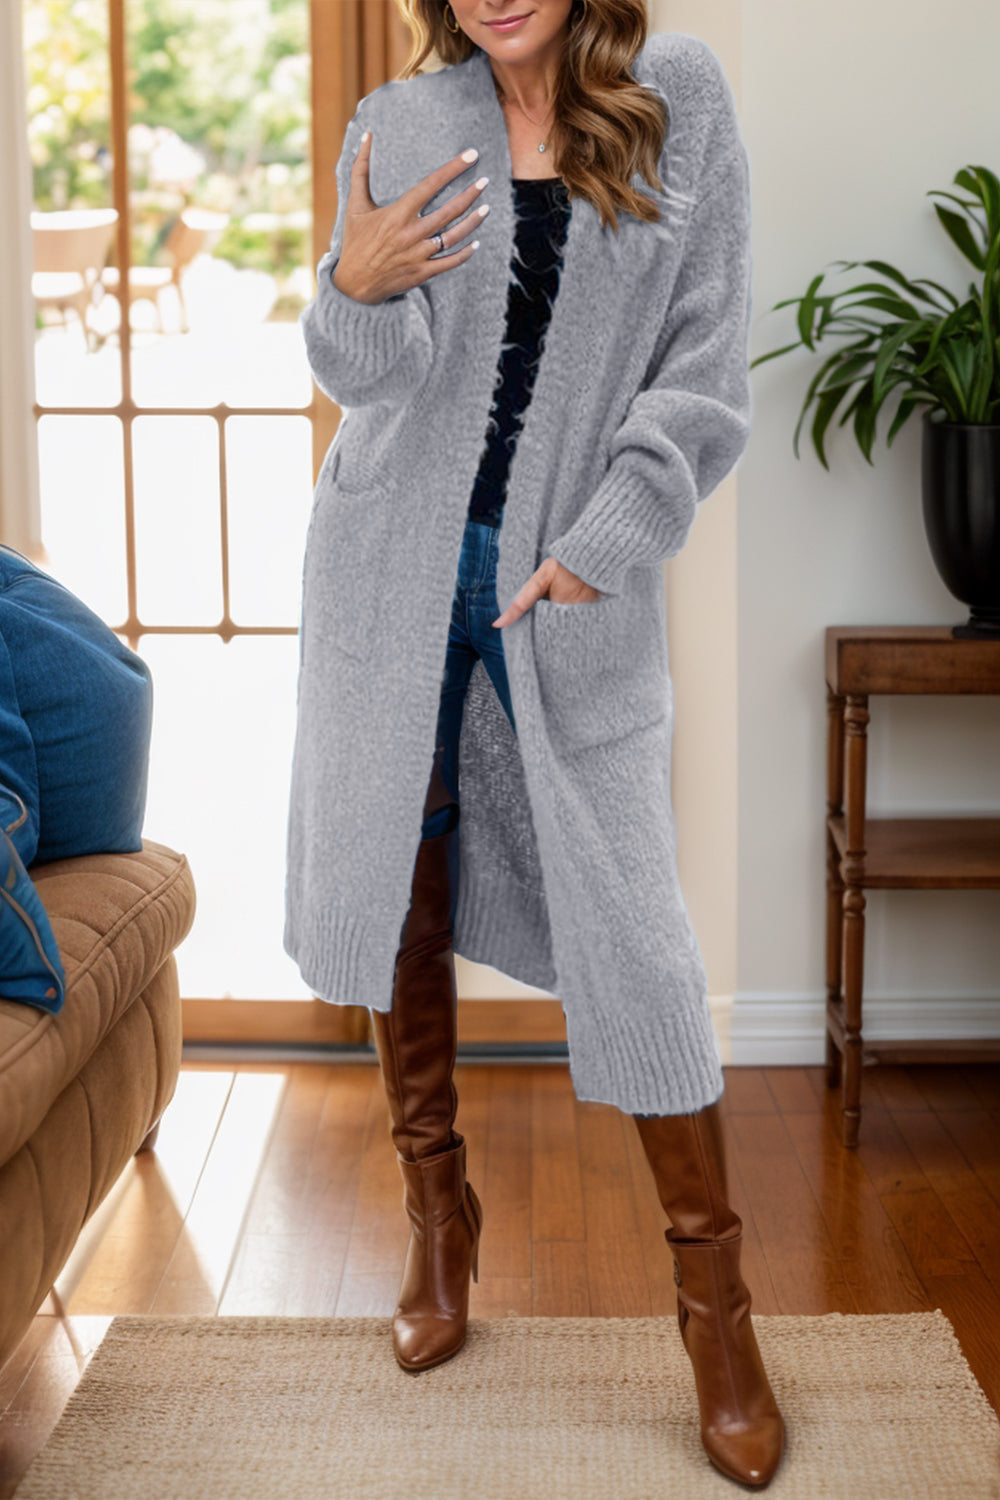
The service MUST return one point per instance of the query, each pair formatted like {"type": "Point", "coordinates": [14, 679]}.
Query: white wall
{"type": "Point", "coordinates": [851, 113]}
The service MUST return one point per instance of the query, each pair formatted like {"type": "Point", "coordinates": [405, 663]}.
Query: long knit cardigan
{"type": "Point", "coordinates": [568, 877]}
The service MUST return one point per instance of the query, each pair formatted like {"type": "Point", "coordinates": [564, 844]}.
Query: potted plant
{"type": "Point", "coordinates": [944, 355]}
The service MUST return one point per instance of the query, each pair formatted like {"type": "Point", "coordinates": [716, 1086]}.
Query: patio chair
{"type": "Point", "coordinates": [70, 248]}
{"type": "Point", "coordinates": [185, 240]}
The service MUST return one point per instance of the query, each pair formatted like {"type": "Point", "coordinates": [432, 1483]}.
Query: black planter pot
{"type": "Point", "coordinates": [961, 497]}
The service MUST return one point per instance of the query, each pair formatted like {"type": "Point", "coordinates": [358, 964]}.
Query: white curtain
{"type": "Point", "coordinates": [20, 517]}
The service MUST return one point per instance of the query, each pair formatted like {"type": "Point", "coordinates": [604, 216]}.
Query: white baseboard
{"type": "Point", "coordinates": [773, 1029]}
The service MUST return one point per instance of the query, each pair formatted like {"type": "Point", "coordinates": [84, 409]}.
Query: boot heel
{"type": "Point", "coordinates": [477, 1221]}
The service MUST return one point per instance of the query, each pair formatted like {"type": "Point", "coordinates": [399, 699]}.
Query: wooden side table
{"type": "Point", "coordinates": [891, 853]}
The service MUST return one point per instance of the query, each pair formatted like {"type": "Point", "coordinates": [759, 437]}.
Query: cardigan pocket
{"type": "Point", "coordinates": [602, 666]}
{"type": "Point", "coordinates": [344, 564]}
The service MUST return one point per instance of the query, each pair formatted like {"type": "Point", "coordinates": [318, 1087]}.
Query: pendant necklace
{"type": "Point", "coordinates": [542, 144]}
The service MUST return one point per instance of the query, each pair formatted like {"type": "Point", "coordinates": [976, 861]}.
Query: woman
{"type": "Point", "coordinates": [560, 361]}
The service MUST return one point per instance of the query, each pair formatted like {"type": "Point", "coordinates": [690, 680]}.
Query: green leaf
{"type": "Point", "coordinates": [958, 230]}
{"type": "Point", "coordinates": [773, 354]}
{"type": "Point", "coordinates": [906, 407]}
{"type": "Point", "coordinates": [807, 311]}
{"type": "Point", "coordinates": [825, 408]}
{"type": "Point", "coordinates": [885, 269]}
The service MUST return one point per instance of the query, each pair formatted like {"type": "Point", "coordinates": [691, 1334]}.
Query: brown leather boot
{"type": "Point", "coordinates": [445, 1219]}
{"type": "Point", "coordinates": [742, 1429]}
{"type": "Point", "coordinates": [417, 1042]}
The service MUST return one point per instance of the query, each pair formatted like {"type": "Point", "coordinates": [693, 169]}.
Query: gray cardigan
{"type": "Point", "coordinates": [568, 876]}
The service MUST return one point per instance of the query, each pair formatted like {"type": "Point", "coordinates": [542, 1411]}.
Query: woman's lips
{"type": "Point", "coordinates": [510, 23]}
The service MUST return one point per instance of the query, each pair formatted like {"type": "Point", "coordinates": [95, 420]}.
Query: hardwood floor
{"type": "Point", "coordinates": [274, 1188]}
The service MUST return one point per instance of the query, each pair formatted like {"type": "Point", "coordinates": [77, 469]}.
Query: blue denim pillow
{"type": "Point", "coordinates": [31, 968]}
{"type": "Point", "coordinates": [76, 714]}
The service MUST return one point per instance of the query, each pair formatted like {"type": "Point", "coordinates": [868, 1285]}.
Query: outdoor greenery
{"type": "Point", "coordinates": [943, 353]}
{"type": "Point", "coordinates": [220, 117]}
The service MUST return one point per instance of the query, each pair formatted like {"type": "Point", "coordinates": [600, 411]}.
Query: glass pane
{"type": "Point", "coordinates": [83, 509]}
{"type": "Point", "coordinates": [220, 175]}
{"type": "Point", "coordinates": [73, 219]}
{"type": "Point", "coordinates": [218, 793]}
{"type": "Point", "coordinates": [177, 538]}
{"type": "Point", "coordinates": [269, 469]}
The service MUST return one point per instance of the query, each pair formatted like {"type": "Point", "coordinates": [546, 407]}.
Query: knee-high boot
{"type": "Point", "coordinates": [417, 1042]}
{"type": "Point", "coordinates": [742, 1429]}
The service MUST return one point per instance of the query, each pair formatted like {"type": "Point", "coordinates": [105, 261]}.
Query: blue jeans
{"type": "Point", "coordinates": [471, 634]}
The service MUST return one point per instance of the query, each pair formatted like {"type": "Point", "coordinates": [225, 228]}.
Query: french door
{"type": "Point", "coordinates": [185, 150]}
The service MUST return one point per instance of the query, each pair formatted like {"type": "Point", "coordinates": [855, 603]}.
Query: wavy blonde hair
{"type": "Point", "coordinates": [607, 126]}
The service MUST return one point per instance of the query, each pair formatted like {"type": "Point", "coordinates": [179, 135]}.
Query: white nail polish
{"type": "Point", "coordinates": [470, 155]}
{"type": "Point", "coordinates": [482, 182]}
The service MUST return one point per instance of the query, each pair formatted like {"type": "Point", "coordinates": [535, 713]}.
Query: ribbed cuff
{"type": "Point", "coordinates": [660, 1062]}
{"type": "Point", "coordinates": [346, 960]}
{"type": "Point", "coordinates": [363, 339]}
{"type": "Point", "coordinates": [611, 534]}
{"type": "Point", "coordinates": [515, 943]}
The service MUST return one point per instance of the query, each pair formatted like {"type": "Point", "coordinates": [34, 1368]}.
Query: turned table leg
{"type": "Point", "coordinates": [834, 884]}
{"type": "Point", "coordinates": [856, 718]}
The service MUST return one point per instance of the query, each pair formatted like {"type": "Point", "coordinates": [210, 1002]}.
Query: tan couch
{"type": "Point", "coordinates": [82, 1091]}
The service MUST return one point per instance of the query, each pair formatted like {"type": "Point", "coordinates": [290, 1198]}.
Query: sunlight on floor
{"type": "Point", "coordinates": [195, 1188]}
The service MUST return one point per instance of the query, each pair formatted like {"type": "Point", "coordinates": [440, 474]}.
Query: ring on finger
{"type": "Point", "coordinates": [440, 240]}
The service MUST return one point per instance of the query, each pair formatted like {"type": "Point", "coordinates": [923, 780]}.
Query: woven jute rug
{"type": "Point", "coordinates": [274, 1408]}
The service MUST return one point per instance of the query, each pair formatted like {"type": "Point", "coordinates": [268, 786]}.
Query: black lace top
{"type": "Point", "coordinates": [542, 207]}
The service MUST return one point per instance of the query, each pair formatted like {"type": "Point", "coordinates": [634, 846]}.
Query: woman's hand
{"type": "Point", "coordinates": [387, 250]}
{"type": "Point", "coordinates": [551, 580]}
